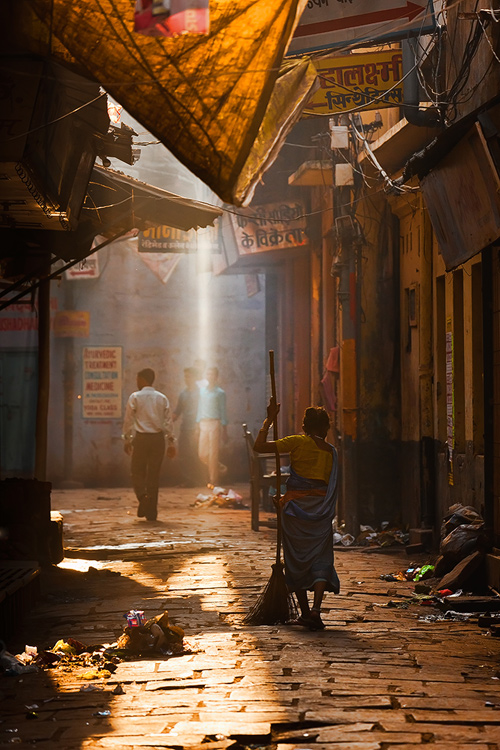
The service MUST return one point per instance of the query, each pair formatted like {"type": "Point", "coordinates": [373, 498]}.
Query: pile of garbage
{"type": "Point", "coordinates": [460, 565]}
{"type": "Point", "coordinates": [385, 536]}
{"type": "Point", "coordinates": [140, 637]}
{"type": "Point", "coordinates": [66, 655]}
{"type": "Point", "coordinates": [456, 584]}
{"type": "Point", "coordinates": [414, 573]}
{"type": "Point", "coordinates": [155, 635]}
{"type": "Point", "coordinates": [220, 498]}
{"type": "Point", "coordinates": [465, 542]}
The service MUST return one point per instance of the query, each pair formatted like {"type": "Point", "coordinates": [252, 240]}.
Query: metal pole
{"type": "Point", "coordinates": [42, 408]}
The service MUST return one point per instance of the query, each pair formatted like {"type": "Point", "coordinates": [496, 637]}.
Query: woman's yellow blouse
{"type": "Point", "coordinates": [306, 458]}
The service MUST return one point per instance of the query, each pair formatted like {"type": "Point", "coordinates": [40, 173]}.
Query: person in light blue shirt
{"type": "Point", "coordinates": [187, 411]}
{"type": "Point", "coordinates": [212, 423]}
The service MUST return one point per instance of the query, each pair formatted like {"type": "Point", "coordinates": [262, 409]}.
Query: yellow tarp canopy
{"type": "Point", "coordinates": [204, 97]}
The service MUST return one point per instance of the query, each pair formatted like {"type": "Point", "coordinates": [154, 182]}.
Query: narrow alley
{"type": "Point", "coordinates": [387, 671]}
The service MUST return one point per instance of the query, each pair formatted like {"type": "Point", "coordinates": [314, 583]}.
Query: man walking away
{"type": "Point", "coordinates": [147, 422]}
{"type": "Point", "coordinates": [212, 423]}
{"type": "Point", "coordinates": [187, 410]}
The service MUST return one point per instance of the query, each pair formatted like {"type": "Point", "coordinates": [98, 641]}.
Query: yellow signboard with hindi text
{"type": "Point", "coordinates": [371, 80]}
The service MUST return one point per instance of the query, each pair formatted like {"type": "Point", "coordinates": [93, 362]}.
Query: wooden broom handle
{"type": "Point", "coordinates": [278, 461]}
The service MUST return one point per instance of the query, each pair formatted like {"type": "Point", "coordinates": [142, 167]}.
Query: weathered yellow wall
{"type": "Point", "coordinates": [410, 223]}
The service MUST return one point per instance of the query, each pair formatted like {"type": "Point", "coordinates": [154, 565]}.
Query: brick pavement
{"type": "Point", "coordinates": [378, 677]}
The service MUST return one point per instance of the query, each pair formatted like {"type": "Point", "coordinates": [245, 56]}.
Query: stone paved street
{"type": "Point", "coordinates": [378, 677]}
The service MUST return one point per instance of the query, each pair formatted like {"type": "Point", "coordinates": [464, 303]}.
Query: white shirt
{"type": "Point", "coordinates": [148, 410]}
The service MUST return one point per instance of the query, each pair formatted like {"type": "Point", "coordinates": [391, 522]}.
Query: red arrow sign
{"type": "Point", "coordinates": [410, 11]}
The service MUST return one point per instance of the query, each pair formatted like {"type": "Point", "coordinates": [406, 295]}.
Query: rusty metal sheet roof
{"type": "Point", "coordinates": [204, 97]}
{"type": "Point", "coordinates": [118, 202]}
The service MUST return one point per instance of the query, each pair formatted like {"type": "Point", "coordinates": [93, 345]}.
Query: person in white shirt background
{"type": "Point", "coordinates": [146, 425]}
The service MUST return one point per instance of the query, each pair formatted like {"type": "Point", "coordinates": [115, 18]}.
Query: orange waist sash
{"type": "Point", "coordinates": [296, 494]}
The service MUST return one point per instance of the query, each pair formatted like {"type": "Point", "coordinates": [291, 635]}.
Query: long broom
{"type": "Point", "coordinates": [276, 604]}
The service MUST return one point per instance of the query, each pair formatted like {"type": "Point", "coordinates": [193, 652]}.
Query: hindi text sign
{"type": "Point", "coordinates": [274, 226]}
{"type": "Point", "coordinates": [163, 239]}
{"type": "Point", "coordinates": [370, 80]}
{"type": "Point", "coordinates": [102, 382]}
{"type": "Point", "coordinates": [87, 269]}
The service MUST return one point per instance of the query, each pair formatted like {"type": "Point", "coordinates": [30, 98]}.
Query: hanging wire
{"type": "Point", "coordinates": [487, 37]}
{"type": "Point", "coordinates": [56, 119]}
{"type": "Point", "coordinates": [390, 184]}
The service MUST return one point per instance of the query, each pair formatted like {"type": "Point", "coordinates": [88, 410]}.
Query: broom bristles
{"type": "Point", "coordinates": [276, 604]}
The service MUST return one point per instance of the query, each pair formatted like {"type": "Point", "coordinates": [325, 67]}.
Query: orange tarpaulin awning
{"type": "Point", "coordinates": [204, 97]}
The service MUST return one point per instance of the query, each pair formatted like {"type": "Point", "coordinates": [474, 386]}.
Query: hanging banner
{"type": "Point", "coordinates": [325, 24]}
{"type": "Point", "coordinates": [171, 17]}
{"type": "Point", "coordinates": [370, 80]}
{"type": "Point", "coordinates": [161, 264]}
{"type": "Point", "coordinates": [102, 382]}
{"type": "Point", "coordinates": [274, 226]}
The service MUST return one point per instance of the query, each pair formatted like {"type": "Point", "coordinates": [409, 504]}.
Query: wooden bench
{"type": "Point", "coordinates": [261, 479]}
{"type": "Point", "coordinates": [19, 589]}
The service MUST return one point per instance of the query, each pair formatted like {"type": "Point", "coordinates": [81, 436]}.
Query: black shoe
{"type": "Point", "coordinates": [141, 510]}
{"type": "Point", "coordinates": [150, 518]}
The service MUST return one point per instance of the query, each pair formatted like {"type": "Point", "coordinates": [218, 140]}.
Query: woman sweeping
{"type": "Point", "coordinates": [307, 509]}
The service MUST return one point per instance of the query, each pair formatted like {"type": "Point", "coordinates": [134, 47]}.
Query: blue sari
{"type": "Point", "coordinates": [308, 509]}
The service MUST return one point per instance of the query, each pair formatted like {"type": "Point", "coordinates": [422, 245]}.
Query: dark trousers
{"type": "Point", "coordinates": [189, 462]}
{"type": "Point", "coordinates": [147, 456]}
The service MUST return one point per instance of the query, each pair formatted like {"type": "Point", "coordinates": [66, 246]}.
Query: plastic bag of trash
{"type": "Point", "coordinates": [62, 647]}
{"type": "Point", "coordinates": [13, 666]}
{"type": "Point", "coordinates": [458, 515]}
{"type": "Point", "coordinates": [426, 571]}
{"type": "Point", "coordinates": [463, 541]}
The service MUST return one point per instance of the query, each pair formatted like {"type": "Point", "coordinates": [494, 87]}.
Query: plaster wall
{"type": "Point", "coordinates": [166, 327]}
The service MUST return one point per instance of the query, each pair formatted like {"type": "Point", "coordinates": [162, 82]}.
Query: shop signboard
{"type": "Point", "coordinates": [163, 239]}
{"type": "Point", "coordinates": [71, 324]}
{"type": "Point", "coordinates": [19, 324]}
{"type": "Point", "coordinates": [370, 80]}
{"type": "Point", "coordinates": [326, 24]}
{"type": "Point", "coordinates": [270, 227]}
{"type": "Point", "coordinates": [102, 382]}
{"type": "Point", "coordinates": [87, 269]}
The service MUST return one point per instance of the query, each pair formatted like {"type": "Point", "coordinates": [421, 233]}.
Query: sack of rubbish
{"type": "Point", "coordinates": [463, 541]}
{"type": "Point", "coordinates": [459, 515]}
{"type": "Point", "coordinates": [157, 634]}
{"type": "Point", "coordinates": [463, 533]}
